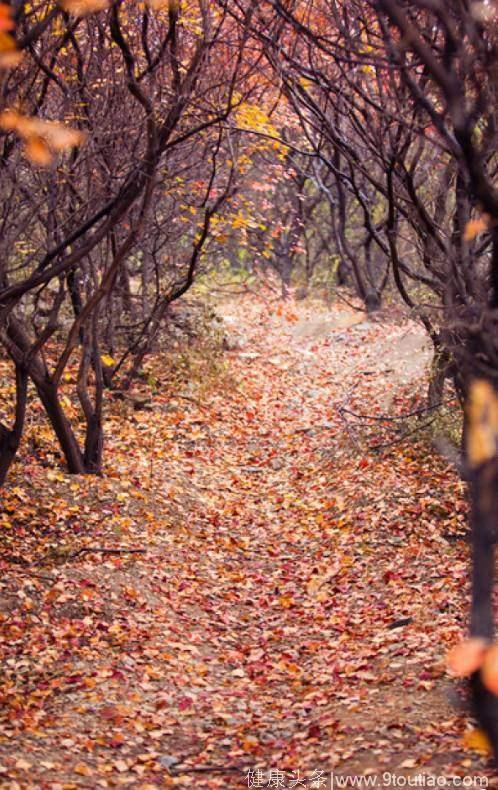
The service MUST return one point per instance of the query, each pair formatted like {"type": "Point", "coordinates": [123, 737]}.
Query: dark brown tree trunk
{"type": "Point", "coordinates": [49, 396]}
{"type": "Point", "coordinates": [439, 374]}
{"type": "Point", "coordinates": [92, 408]}
{"type": "Point", "coordinates": [10, 438]}
{"type": "Point", "coordinates": [484, 531]}
{"type": "Point", "coordinates": [94, 445]}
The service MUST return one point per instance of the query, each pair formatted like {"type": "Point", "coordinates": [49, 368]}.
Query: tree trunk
{"type": "Point", "coordinates": [439, 374]}
{"type": "Point", "coordinates": [94, 445]}
{"type": "Point", "coordinates": [482, 462]}
{"type": "Point", "coordinates": [11, 438]}
{"type": "Point", "coordinates": [49, 396]}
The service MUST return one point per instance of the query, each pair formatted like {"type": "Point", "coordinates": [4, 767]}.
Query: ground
{"type": "Point", "coordinates": [290, 590]}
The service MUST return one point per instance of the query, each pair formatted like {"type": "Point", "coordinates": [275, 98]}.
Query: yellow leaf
{"type": "Point", "coordinates": [477, 741]}
{"type": "Point", "coordinates": [482, 434]}
{"type": "Point", "coordinates": [107, 360]}
{"type": "Point", "coordinates": [409, 763]}
{"type": "Point", "coordinates": [290, 668]}
{"type": "Point", "coordinates": [83, 770]}
{"type": "Point", "coordinates": [317, 581]}
{"type": "Point", "coordinates": [54, 475]}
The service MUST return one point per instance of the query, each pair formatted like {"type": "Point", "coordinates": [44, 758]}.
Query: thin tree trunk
{"type": "Point", "coordinates": [11, 438]}
{"type": "Point", "coordinates": [49, 396]}
{"type": "Point", "coordinates": [439, 374]}
{"type": "Point", "coordinates": [482, 461]}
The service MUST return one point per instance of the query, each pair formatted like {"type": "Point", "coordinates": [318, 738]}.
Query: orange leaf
{"type": "Point", "coordinates": [476, 226]}
{"type": "Point", "coordinates": [8, 60]}
{"type": "Point", "coordinates": [250, 744]}
{"type": "Point", "coordinates": [6, 20]}
{"type": "Point", "coordinates": [38, 151]}
{"type": "Point", "coordinates": [467, 657]}
{"type": "Point", "coordinates": [9, 54]}
{"type": "Point", "coordinates": [57, 134]}
{"type": "Point", "coordinates": [83, 7]}
{"type": "Point", "coordinates": [83, 770]}
{"type": "Point", "coordinates": [42, 138]}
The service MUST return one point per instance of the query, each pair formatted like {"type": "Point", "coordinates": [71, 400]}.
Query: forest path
{"type": "Point", "coordinates": [297, 596]}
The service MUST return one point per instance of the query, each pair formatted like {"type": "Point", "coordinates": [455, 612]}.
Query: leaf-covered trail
{"type": "Point", "coordinates": [295, 601]}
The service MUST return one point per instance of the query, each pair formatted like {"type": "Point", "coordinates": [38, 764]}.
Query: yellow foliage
{"type": "Point", "coordinates": [482, 411]}
{"type": "Point", "coordinates": [477, 741]}
{"type": "Point", "coordinates": [252, 118]}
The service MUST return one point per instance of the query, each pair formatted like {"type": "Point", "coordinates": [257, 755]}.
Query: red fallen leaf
{"type": "Point", "coordinates": [74, 679]}
{"type": "Point", "coordinates": [109, 712]}
{"type": "Point", "coordinates": [298, 536]}
{"type": "Point", "coordinates": [314, 731]}
{"type": "Point", "coordinates": [117, 740]}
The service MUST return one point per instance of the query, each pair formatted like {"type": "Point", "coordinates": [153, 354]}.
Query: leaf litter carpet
{"type": "Point", "coordinates": [290, 596]}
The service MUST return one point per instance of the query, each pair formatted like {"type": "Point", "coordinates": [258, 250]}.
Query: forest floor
{"type": "Point", "coordinates": [291, 592]}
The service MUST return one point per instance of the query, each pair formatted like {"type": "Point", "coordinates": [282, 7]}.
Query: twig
{"type": "Point", "coordinates": [32, 573]}
{"type": "Point", "coordinates": [387, 418]}
{"type": "Point", "coordinates": [219, 769]}
{"type": "Point", "coordinates": [342, 298]}
{"type": "Point", "coordinates": [399, 439]}
{"type": "Point", "coordinates": [13, 558]}
{"type": "Point", "coordinates": [191, 400]}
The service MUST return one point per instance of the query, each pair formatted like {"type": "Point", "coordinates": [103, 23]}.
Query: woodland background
{"type": "Point", "coordinates": [249, 422]}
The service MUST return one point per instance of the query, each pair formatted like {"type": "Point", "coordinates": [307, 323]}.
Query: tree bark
{"type": "Point", "coordinates": [49, 396]}
{"type": "Point", "coordinates": [11, 438]}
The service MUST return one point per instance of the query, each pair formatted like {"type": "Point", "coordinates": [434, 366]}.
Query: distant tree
{"type": "Point", "coordinates": [117, 109]}
{"type": "Point", "coordinates": [398, 100]}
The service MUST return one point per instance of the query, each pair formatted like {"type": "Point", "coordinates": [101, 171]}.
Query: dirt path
{"type": "Point", "coordinates": [295, 602]}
